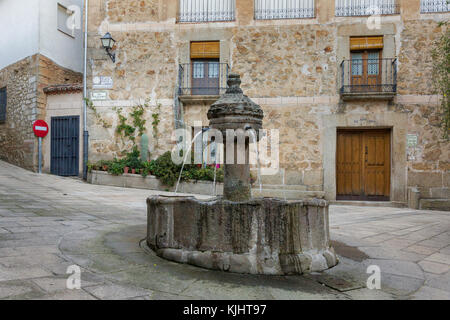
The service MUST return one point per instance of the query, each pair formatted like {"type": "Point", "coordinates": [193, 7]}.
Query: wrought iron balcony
{"type": "Point", "coordinates": [282, 9]}
{"type": "Point", "coordinates": [431, 6]}
{"type": "Point", "coordinates": [202, 78]}
{"type": "Point", "coordinates": [346, 8]}
{"type": "Point", "coordinates": [206, 10]}
{"type": "Point", "coordinates": [368, 77]}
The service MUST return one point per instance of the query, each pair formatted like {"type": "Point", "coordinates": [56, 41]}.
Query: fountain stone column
{"type": "Point", "coordinates": [237, 112]}
{"type": "Point", "coordinates": [236, 233]}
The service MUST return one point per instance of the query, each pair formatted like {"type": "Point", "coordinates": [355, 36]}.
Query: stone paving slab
{"type": "Point", "coordinates": [59, 222]}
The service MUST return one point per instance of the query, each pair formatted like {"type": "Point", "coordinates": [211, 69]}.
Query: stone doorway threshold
{"type": "Point", "coordinates": [389, 204]}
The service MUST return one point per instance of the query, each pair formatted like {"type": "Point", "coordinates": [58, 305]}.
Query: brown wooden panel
{"type": "Point", "coordinates": [363, 165]}
{"type": "Point", "coordinates": [364, 43]}
{"type": "Point", "coordinates": [377, 164]}
{"type": "Point", "coordinates": [205, 50]}
{"type": "Point", "coordinates": [348, 163]}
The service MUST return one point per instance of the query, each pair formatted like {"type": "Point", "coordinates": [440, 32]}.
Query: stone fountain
{"type": "Point", "coordinates": [237, 233]}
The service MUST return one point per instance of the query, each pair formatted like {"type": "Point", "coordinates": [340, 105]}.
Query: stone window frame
{"type": "Point", "coordinates": [3, 108]}
{"type": "Point", "coordinates": [347, 31]}
{"type": "Point", "coordinates": [185, 50]}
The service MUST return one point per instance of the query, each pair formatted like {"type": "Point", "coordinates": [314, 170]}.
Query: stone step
{"type": "Point", "coordinates": [435, 204]}
{"type": "Point", "coordinates": [387, 204]}
{"type": "Point", "coordinates": [280, 187]}
{"type": "Point", "coordinates": [288, 194]}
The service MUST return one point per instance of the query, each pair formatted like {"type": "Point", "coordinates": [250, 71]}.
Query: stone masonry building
{"type": "Point", "coordinates": [348, 84]}
{"type": "Point", "coordinates": [38, 50]}
{"type": "Point", "coordinates": [350, 92]}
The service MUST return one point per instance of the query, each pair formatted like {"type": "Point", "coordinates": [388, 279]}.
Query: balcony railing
{"type": "Point", "coordinates": [429, 6]}
{"type": "Point", "coordinates": [369, 76]}
{"type": "Point", "coordinates": [202, 78]}
{"type": "Point", "coordinates": [345, 8]}
{"type": "Point", "coordinates": [206, 10]}
{"type": "Point", "coordinates": [284, 9]}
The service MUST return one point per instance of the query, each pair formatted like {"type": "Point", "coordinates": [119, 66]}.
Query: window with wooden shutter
{"type": "Point", "coordinates": [205, 50]}
{"type": "Point", "coordinates": [366, 43]}
{"type": "Point", "coordinates": [3, 101]}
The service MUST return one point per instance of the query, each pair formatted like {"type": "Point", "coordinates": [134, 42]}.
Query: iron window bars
{"type": "Point", "coordinates": [345, 8]}
{"type": "Point", "coordinates": [369, 76]}
{"type": "Point", "coordinates": [206, 10]}
{"type": "Point", "coordinates": [429, 6]}
{"type": "Point", "coordinates": [197, 79]}
{"type": "Point", "coordinates": [284, 9]}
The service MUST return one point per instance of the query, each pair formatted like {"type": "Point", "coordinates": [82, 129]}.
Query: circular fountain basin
{"type": "Point", "coordinates": [259, 236]}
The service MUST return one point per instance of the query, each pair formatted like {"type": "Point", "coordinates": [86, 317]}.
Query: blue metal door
{"type": "Point", "coordinates": [65, 145]}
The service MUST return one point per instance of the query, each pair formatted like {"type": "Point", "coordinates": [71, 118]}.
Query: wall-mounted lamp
{"type": "Point", "coordinates": [108, 44]}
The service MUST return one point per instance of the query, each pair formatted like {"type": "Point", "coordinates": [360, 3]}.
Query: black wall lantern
{"type": "Point", "coordinates": [108, 44]}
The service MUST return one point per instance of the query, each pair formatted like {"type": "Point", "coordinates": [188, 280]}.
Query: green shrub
{"type": "Point", "coordinates": [116, 167]}
{"type": "Point", "coordinates": [163, 168]}
{"type": "Point", "coordinates": [133, 159]}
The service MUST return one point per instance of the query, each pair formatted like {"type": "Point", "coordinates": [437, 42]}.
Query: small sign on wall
{"type": "Point", "coordinates": [412, 140]}
{"type": "Point", "coordinates": [102, 82]}
{"type": "Point", "coordinates": [99, 95]}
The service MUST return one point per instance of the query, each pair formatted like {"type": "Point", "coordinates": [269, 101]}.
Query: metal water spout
{"type": "Point", "coordinates": [236, 112]}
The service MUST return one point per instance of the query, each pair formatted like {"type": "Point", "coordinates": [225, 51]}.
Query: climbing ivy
{"type": "Point", "coordinates": [155, 123]}
{"type": "Point", "coordinates": [441, 72]}
{"type": "Point", "coordinates": [138, 121]}
{"type": "Point", "coordinates": [124, 129]}
{"type": "Point", "coordinates": [91, 106]}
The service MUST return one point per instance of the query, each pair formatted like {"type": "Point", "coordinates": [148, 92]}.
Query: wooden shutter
{"type": "Point", "coordinates": [366, 43]}
{"type": "Point", "coordinates": [3, 101]}
{"type": "Point", "coordinates": [205, 50]}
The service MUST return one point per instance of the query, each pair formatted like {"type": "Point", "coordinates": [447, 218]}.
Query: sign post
{"type": "Point", "coordinates": [40, 128]}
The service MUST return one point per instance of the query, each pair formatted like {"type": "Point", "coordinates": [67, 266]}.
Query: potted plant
{"type": "Point", "coordinates": [133, 171]}
{"type": "Point", "coordinates": [126, 169]}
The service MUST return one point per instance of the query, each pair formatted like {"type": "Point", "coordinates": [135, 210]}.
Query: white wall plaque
{"type": "Point", "coordinates": [101, 82]}
{"type": "Point", "coordinates": [99, 95]}
{"type": "Point", "coordinates": [412, 140]}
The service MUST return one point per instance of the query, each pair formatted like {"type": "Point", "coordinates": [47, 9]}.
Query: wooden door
{"type": "Point", "coordinates": [363, 165]}
{"type": "Point", "coordinates": [205, 76]}
{"type": "Point", "coordinates": [366, 71]}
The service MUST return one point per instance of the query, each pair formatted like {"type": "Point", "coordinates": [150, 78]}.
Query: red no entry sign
{"type": "Point", "coordinates": [40, 128]}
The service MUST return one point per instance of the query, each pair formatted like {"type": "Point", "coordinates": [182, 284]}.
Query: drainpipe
{"type": "Point", "coordinates": [85, 131]}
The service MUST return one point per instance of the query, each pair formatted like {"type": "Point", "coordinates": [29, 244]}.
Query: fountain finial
{"type": "Point", "coordinates": [234, 83]}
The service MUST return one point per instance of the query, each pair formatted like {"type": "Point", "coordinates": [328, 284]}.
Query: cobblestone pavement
{"type": "Point", "coordinates": [49, 223]}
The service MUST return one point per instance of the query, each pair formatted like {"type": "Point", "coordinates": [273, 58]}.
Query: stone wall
{"type": "Point", "coordinates": [429, 161]}
{"type": "Point", "coordinates": [26, 103]}
{"type": "Point", "coordinates": [16, 134]}
{"type": "Point", "coordinates": [132, 11]}
{"type": "Point", "coordinates": [49, 74]}
{"type": "Point", "coordinates": [292, 69]}
{"type": "Point", "coordinates": [285, 61]}
{"type": "Point", "coordinates": [105, 142]}
{"type": "Point", "coordinates": [415, 60]}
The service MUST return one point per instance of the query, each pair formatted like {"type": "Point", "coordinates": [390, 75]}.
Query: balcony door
{"type": "Point", "coordinates": [205, 76]}
{"type": "Point", "coordinates": [205, 68]}
{"type": "Point", "coordinates": [366, 70]}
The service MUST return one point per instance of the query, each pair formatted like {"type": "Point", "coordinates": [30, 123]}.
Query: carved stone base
{"type": "Point", "coordinates": [260, 236]}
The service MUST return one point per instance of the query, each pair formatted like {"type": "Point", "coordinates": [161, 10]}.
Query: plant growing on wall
{"type": "Point", "coordinates": [90, 106]}
{"type": "Point", "coordinates": [441, 72]}
{"type": "Point", "coordinates": [138, 121]}
{"type": "Point", "coordinates": [155, 123]}
{"type": "Point", "coordinates": [124, 129]}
